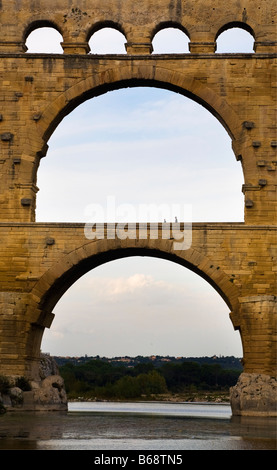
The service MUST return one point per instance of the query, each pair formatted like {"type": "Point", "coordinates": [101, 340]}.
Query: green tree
{"type": "Point", "coordinates": [143, 368]}
{"type": "Point", "coordinates": [151, 383]}
{"type": "Point", "coordinates": [127, 387]}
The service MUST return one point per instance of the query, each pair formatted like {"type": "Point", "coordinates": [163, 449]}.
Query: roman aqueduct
{"type": "Point", "coordinates": [40, 261]}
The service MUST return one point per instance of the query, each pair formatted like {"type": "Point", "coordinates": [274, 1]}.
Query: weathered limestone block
{"type": "Point", "coordinates": [5, 401]}
{"type": "Point", "coordinates": [258, 322]}
{"type": "Point", "coordinates": [46, 394]}
{"type": "Point", "coordinates": [16, 396]}
{"type": "Point", "coordinates": [47, 366]}
{"type": "Point", "coordinates": [253, 395]}
{"type": "Point", "coordinates": [50, 394]}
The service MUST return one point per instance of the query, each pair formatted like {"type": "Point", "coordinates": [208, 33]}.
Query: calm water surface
{"type": "Point", "coordinates": [137, 426]}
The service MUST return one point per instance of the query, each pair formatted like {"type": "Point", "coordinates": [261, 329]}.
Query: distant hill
{"type": "Point", "coordinates": [226, 362]}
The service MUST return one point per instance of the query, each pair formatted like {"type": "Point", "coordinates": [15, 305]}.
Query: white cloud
{"type": "Point", "coordinates": [152, 307]}
{"type": "Point", "coordinates": [125, 114]}
{"type": "Point", "coordinates": [114, 289]}
{"type": "Point", "coordinates": [130, 285]}
{"type": "Point", "coordinates": [58, 335]}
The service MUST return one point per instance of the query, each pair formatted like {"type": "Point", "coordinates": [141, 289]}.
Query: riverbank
{"type": "Point", "coordinates": [199, 397]}
{"type": "Point", "coordinates": [188, 397]}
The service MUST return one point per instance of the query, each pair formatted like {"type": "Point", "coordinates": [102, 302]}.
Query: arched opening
{"type": "Point", "coordinates": [170, 40]}
{"type": "Point", "coordinates": [44, 38]}
{"type": "Point", "coordinates": [235, 38]}
{"type": "Point", "coordinates": [141, 146]}
{"type": "Point", "coordinates": [141, 306]}
{"type": "Point", "coordinates": [145, 307]}
{"type": "Point", "coordinates": [137, 124]}
{"type": "Point", "coordinates": [107, 40]}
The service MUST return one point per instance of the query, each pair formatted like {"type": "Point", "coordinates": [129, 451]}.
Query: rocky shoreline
{"type": "Point", "coordinates": [196, 397]}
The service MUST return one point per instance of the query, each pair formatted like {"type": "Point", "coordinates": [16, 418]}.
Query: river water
{"type": "Point", "coordinates": [137, 426]}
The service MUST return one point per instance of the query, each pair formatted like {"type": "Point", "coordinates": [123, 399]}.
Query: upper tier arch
{"type": "Point", "coordinates": [124, 77]}
{"type": "Point", "coordinates": [235, 24]}
{"type": "Point", "coordinates": [41, 23]}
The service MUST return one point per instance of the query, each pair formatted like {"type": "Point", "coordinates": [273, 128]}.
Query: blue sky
{"type": "Point", "coordinates": [140, 146]}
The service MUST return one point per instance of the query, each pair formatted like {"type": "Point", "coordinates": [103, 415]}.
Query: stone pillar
{"type": "Point", "coordinates": [254, 395]}
{"type": "Point", "coordinates": [265, 47]}
{"type": "Point", "coordinates": [256, 391]}
{"type": "Point", "coordinates": [75, 47]}
{"type": "Point", "coordinates": [258, 332]}
{"type": "Point", "coordinates": [202, 47]}
{"type": "Point", "coordinates": [47, 393]}
{"type": "Point", "coordinates": [13, 334]}
{"type": "Point", "coordinates": [139, 41]}
{"type": "Point", "coordinates": [12, 47]}
{"type": "Point", "coordinates": [137, 48]}
{"type": "Point", "coordinates": [202, 41]}
{"type": "Point", "coordinates": [20, 341]}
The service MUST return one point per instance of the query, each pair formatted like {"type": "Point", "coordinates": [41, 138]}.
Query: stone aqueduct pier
{"type": "Point", "coordinates": [40, 261]}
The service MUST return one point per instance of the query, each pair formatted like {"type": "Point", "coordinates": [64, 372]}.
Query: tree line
{"type": "Point", "coordinates": [103, 380]}
{"type": "Point", "coordinates": [226, 362]}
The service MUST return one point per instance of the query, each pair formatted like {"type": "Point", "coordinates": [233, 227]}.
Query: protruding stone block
{"type": "Point", "coordinates": [254, 395]}
{"type": "Point", "coordinates": [248, 125]}
{"type": "Point", "coordinates": [26, 201]}
{"type": "Point", "coordinates": [6, 136]}
{"type": "Point", "coordinates": [138, 48]}
{"type": "Point", "coordinates": [202, 47]}
{"type": "Point", "coordinates": [75, 47]}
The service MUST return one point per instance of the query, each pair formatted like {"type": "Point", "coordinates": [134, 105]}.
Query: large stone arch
{"type": "Point", "coordinates": [72, 266]}
{"type": "Point", "coordinates": [124, 77]}
{"type": "Point", "coordinates": [113, 75]}
{"type": "Point", "coordinates": [146, 75]}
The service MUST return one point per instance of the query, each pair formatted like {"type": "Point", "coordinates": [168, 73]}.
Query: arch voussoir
{"type": "Point", "coordinates": [74, 264]}
{"type": "Point", "coordinates": [125, 75]}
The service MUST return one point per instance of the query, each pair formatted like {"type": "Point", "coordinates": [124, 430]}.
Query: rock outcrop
{"type": "Point", "coordinates": [253, 395]}
{"type": "Point", "coordinates": [46, 394]}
